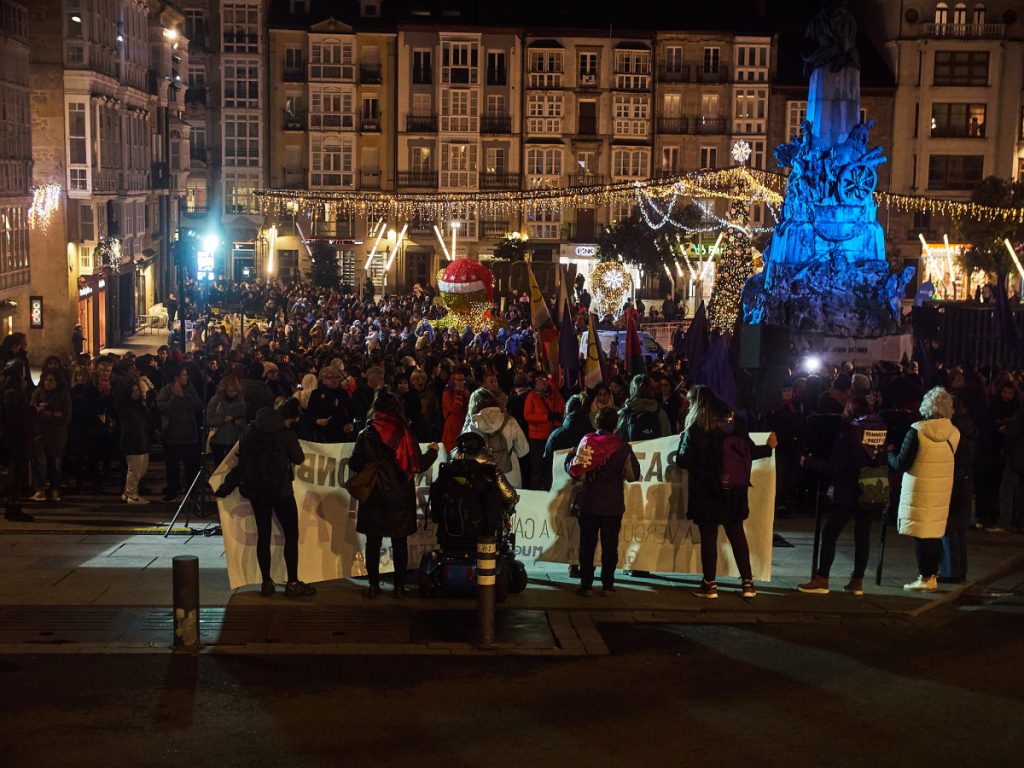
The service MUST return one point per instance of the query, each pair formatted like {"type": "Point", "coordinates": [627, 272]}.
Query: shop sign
{"type": "Point", "coordinates": [35, 311]}
{"type": "Point", "coordinates": [586, 251]}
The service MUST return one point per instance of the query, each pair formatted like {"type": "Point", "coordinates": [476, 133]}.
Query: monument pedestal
{"type": "Point", "coordinates": [833, 350]}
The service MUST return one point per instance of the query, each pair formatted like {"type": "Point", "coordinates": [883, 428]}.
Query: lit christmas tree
{"type": "Point", "coordinates": [732, 269]}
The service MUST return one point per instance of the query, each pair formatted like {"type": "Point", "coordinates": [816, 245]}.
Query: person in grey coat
{"type": "Point", "coordinates": [179, 404]}
{"type": "Point", "coordinates": [225, 416]}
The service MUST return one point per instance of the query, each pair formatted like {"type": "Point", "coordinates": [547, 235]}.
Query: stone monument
{"type": "Point", "coordinates": [825, 270]}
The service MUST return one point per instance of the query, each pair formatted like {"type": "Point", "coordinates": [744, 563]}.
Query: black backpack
{"type": "Point", "coordinates": [459, 497]}
{"type": "Point", "coordinates": [265, 467]}
{"type": "Point", "coordinates": [643, 425]}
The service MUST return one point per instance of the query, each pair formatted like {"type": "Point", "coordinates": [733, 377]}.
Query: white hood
{"type": "Point", "coordinates": [489, 420]}
{"type": "Point", "coordinates": [936, 430]}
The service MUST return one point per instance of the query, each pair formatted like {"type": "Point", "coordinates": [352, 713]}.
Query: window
{"type": "Point", "coordinates": [712, 60]}
{"type": "Point", "coordinates": [293, 61]}
{"type": "Point", "coordinates": [961, 68]}
{"type": "Point", "coordinates": [630, 163]}
{"type": "Point", "coordinates": [496, 106]}
{"type": "Point", "coordinates": [86, 223]}
{"type": "Point", "coordinates": [14, 266]}
{"type": "Point", "coordinates": [757, 154]}
{"type": "Point", "coordinates": [197, 143]}
{"type": "Point", "coordinates": [196, 76]}
{"type": "Point", "coordinates": [588, 68]}
{"type": "Point", "coordinates": [670, 160]}
{"type": "Point", "coordinates": [979, 16]}
{"type": "Point", "coordinates": [241, 83]}
{"type": "Point", "coordinates": [544, 161]}
{"type": "Point", "coordinates": [419, 159]}
{"type": "Point", "coordinates": [749, 112]}
{"type": "Point", "coordinates": [752, 63]}
{"type": "Point", "coordinates": [544, 113]}
{"type": "Point", "coordinates": [631, 116]}
{"type": "Point", "coordinates": [545, 69]}
{"type": "Point", "coordinates": [962, 120]}
{"type": "Point", "coordinates": [672, 105]}
{"type": "Point", "coordinates": [371, 113]}
{"type": "Point", "coordinates": [543, 224]}
{"type": "Point", "coordinates": [331, 60]}
{"type": "Point", "coordinates": [941, 14]}
{"type": "Point", "coordinates": [239, 189]}
{"type": "Point", "coordinates": [421, 69]}
{"type": "Point", "coordinates": [674, 59]}
{"type": "Point", "coordinates": [241, 139]}
{"type": "Point", "coordinates": [459, 62]}
{"type": "Point", "coordinates": [709, 157]}
{"type": "Point", "coordinates": [421, 104]}
{"type": "Point", "coordinates": [632, 70]}
{"type": "Point", "coordinates": [331, 109]}
{"type": "Point", "coordinates": [241, 24]}
{"type": "Point", "coordinates": [298, 6]}
{"type": "Point", "coordinates": [709, 105]}
{"type": "Point", "coordinates": [459, 110]}
{"type": "Point", "coordinates": [955, 171]}
{"type": "Point", "coordinates": [586, 162]}
{"type": "Point", "coordinates": [195, 27]}
{"type": "Point", "coordinates": [796, 113]}
{"type": "Point", "coordinates": [331, 162]}
{"type": "Point", "coordinates": [960, 16]}
{"type": "Point", "coordinates": [496, 73]}
{"type": "Point", "coordinates": [78, 157]}
{"type": "Point", "coordinates": [458, 165]}
{"type": "Point", "coordinates": [494, 160]}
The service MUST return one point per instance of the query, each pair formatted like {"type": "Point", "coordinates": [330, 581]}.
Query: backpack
{"type": "Point", "coordinates": [265, 467]}
{"type": "Point", "coordinates": [643, 425]}
{"type": "Point", "coordinates": [735, 462]}
{"type": "Point", "coordinates": [499, 447]}
{"type": "Point", "coordinates": [458, 497]}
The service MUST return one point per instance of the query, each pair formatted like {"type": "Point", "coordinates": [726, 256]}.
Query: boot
{"type": "Point", "coordinates": [816, 586]}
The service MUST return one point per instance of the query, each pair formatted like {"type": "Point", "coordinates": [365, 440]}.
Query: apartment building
{"type": "Point", "coordinates": [958, 109]}
{"type": "Point", "coordinates": [106, 97]}
{"type": "Point", "coordinates": [15, 169]}
{"type": "Point", "coordinates": [332, 122]}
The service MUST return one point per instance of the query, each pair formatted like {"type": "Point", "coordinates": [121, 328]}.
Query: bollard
{"type": "Point", "coordinates": [486, 568]}
{"type": "Point", "coordinates": [185, 576]}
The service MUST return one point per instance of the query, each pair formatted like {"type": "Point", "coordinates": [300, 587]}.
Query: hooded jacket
{"type": "Point", "coordinates": [487, 423]}
{"type": "Point", "coordinates": [860, 444]}
{"type": "Point", "coordinates": [266, 453]}
{"type": "Point", "coordinates": [611, 462]}
{"type": "Point", "coordinates": [927, 461]}
{"type": "Point", "coordinates": [642, 409]}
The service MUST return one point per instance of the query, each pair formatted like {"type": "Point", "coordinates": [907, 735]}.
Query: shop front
{"type": "Point", "coordinates": [92, 312]}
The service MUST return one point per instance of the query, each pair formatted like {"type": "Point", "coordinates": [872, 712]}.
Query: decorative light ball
{"type": "Point", "coordinates": [467, 292]}
{"type": "Point", "coordinates": [741, 151]}
{"type": "Point", "coordinates": [611, 283]}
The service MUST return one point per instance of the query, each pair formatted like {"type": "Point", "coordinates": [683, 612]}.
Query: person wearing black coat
{"type": "Point", "coordinates": [135, 446]}
{"type": "Point", "coordinates": [387, 446]}
{"type": "Point", "coordinates": [953, 568]}
{"type": "Point", "coordinates": [710, 502]}
{"type": "Point", "coordinates": [18, 419]}
{"type": "Point", "coordinates": [267, 452]}
{"type": "Point", "coordinates": [574, 427]}
{"type": "Point", "coordinates": [329, 412]}
{"type": "Point", "coordinates": [860, 443]}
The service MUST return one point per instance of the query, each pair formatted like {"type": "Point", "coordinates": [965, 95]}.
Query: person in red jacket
{"type": "Point", "coordinates": [544, 410]}
{"type": "Point", "coordinates": [455, 406]}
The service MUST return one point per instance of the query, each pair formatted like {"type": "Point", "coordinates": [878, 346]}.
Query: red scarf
{"type": "Point", "coordinates": [397, 436]}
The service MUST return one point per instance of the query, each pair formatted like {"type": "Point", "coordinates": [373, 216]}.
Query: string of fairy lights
{"type": "Point", "coordinates": [655, 198]}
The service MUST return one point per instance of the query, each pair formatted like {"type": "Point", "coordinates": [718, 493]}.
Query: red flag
{"type": "Point", "coordinates": [634, 352]}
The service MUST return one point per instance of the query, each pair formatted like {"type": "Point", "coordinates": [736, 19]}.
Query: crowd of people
{"type": "Point", "coordinates": [91, 424]}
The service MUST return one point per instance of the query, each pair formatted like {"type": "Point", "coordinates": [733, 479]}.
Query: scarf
{"type": "Point", "coordinates": [398, 438]}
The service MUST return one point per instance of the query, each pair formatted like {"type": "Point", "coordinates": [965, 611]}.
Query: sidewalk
{"type": "Point", "coordinates": [65, 591]}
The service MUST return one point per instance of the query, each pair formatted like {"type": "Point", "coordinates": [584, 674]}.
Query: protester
{"type": "Point", "coordinates": [53, 414]}
{"type": "Point", "coordinates": [641, 416]}
{"type": "Point", "coordinates": [504, 440]}
{"type": "Point", "coordinates": [135, 443]}
{"type": "Point", "coordinates": [601, 464]}
{"type": "Point", "coordinates": [717, 451]}
{"type": "Point", "coordinates": [225, 418]}
{"type": "Point", "coordinates": [953, 568]}
{"type": "Point", "coordinates": [926, 460]}
{"type": "Point", "coordinates": [179, 405]}
{"type": "Point", "coordinates": [267, 452]}
{"type": "Point", "coordinates": [455, 406]}
{"type": "Point", "coordinates": [543, 411]}
{"type": "Point", "coordinates": [330, 410]}
{"type": "Point", "coordinates": [18, 423]}
{"type": "Point", "coordinates": [388, 447]}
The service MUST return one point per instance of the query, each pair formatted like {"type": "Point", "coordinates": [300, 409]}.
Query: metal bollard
{"type": "Point", "coordinates": [185, 575]}
{"type": "Point", "coordinates": [486, 569]}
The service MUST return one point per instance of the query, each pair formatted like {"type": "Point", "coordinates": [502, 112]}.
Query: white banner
{"type": "Point", "coordinates": [655, 535]}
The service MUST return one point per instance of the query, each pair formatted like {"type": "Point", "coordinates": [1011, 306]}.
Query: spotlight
{"type": "Point", "coordinates": [211, 243]}
{"type": "Point", "coordinates": [812, 364]}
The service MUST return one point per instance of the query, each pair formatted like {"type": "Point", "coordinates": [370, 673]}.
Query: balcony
{"type": "Point", "coordinates": [587, 81]}
{"type": "Point", "coordinates": [585, 179]}
{"type": "Point", "coordinates": [158, 175]}
{"type": "Point", "coordinates": [964, 30]}
{"type": "Point", "coordinates": [417, 178]}
{"type": "Point", "coordinates": [370, 125]}
{"type": "Point", "coordinates": [678, 126]}
{"type": "Point", "coordinates": [499, 181]}
{"type": "Point", "coordinates": [632, 81]}
{"type": "Point", "coordinates": [195, 95]}
{"type": "Point", "coordinates": [974, 131]}
{"type": "Point", "coordinates": [421, 123]}
{"type": "Point", "coordinates": [720, 75]}
{"type": "Point", "coordinates": [494, 124]}
{"type": "Point", "coordinates": [369, 179]}
{"type": "Point", "coordinates": [581, 233]}
{"type": "Point", "coordinates": [709, 126]}
{"type": "Point", "coordinates": [294, 121]}
{"type": "Point", "coordinates": [545, 80]}
{"type": "Point", "coordinates": [421, 225]}
{"type": "Point", "coordinates": [674, 74]}
{"type": "Point", "coordinates": [369, 74]}
{"type": "Point", "coordinates": [294, 74]}
{"type": "Point", "coordinates": [340, 228]}
{"type": "Point", "coordinates": [586, 126]}
{"type": "Point", "coordinates": [496, 228]}
{"type": "Point", "coordinates": [293, 178]}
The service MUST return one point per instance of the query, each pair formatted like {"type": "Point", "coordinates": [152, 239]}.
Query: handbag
{"type": "Point", "coordinates": [361, 484]}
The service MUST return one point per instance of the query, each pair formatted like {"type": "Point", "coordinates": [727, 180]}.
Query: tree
{"type": "Point", "coordinates": [987, 250]}
{"type": "Point", "coordinates": [512, 247]}
{"type": "Point", "coordinates": [638, 243]}
{"type": "Point", "coordinates": [733, 270]}
{"type": "Point", "coordinates": [324, 267]}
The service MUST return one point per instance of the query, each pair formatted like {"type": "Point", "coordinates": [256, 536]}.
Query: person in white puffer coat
{"type": "Point", "coordinates": [501, 432]}
{"type": "Point", "coordinates": [926, 461]}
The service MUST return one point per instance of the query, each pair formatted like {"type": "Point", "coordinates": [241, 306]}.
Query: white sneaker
{"type": "Point", "coordinates": [38, 496]}
{"type": "Point", "coordinates": [922, 584]}
{"type": "Point", "coordinates": [136, 500]}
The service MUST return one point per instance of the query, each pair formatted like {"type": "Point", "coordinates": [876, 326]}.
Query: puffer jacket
{"type": "Point", "coordinates": [927, 460]}
{"type": "Point", "coordinates": [487, 424]}
{"type": "Point", "coordinates": [639, 410]}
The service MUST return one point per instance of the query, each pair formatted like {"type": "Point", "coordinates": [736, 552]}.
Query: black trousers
{"type": "Point", "coordinates": [17, 477]}
{"type": "Point", "coordinates": [709, 549]}
{"type": "Point", "coordinates": [177, 455]}
{"type": "Point", "coordinates": [607, 528]}
{"type": "Point", "coordinates": [288, 518]}
{"type": "Point", "coordinates": [399, 555]}
{"type": "Point", "coordinates": [838, 517]}
{"type": "Point", "coordinates": [540, 470]}
{"type": "Point", "coordinates": [929, 555]}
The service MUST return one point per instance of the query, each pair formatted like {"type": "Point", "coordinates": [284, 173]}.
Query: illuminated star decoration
{"type": "Point", "coordinates": [612, 283]}
{"type": "Point", "coordinates": [741, 152]}
{"type": "Point", "coordinates": [45, 202]}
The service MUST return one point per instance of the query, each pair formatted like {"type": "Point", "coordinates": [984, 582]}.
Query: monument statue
{"type": "Point", "coordinates": [825, 269]}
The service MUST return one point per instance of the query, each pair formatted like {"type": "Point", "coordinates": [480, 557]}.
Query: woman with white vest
{"type": "Point", "coordinates": [926, 461]}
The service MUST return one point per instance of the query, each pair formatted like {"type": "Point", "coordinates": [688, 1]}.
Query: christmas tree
{"type": "Point", "coordinates": [733, 268]}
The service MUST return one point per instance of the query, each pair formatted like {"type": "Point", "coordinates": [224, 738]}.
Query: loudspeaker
{"type": "Point", "coordinates": [764, 346]}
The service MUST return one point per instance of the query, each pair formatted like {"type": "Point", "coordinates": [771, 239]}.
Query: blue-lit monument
{"type": "Point", "coordinates": [825, 270]}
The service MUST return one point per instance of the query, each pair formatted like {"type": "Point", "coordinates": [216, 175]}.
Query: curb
{"type": "Point", "coordinates": [1014, 563]}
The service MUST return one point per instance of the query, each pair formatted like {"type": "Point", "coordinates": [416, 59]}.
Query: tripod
{"type": "Point", "coordinates": [192, 504]}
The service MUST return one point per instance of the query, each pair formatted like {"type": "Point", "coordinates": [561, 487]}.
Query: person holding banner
{"type": "Point", "coordinates": [717, 452]}
{"type": "Point", "coordinates": [601, 464]}
{"type": "Point", "coordinates": [388, 446]}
